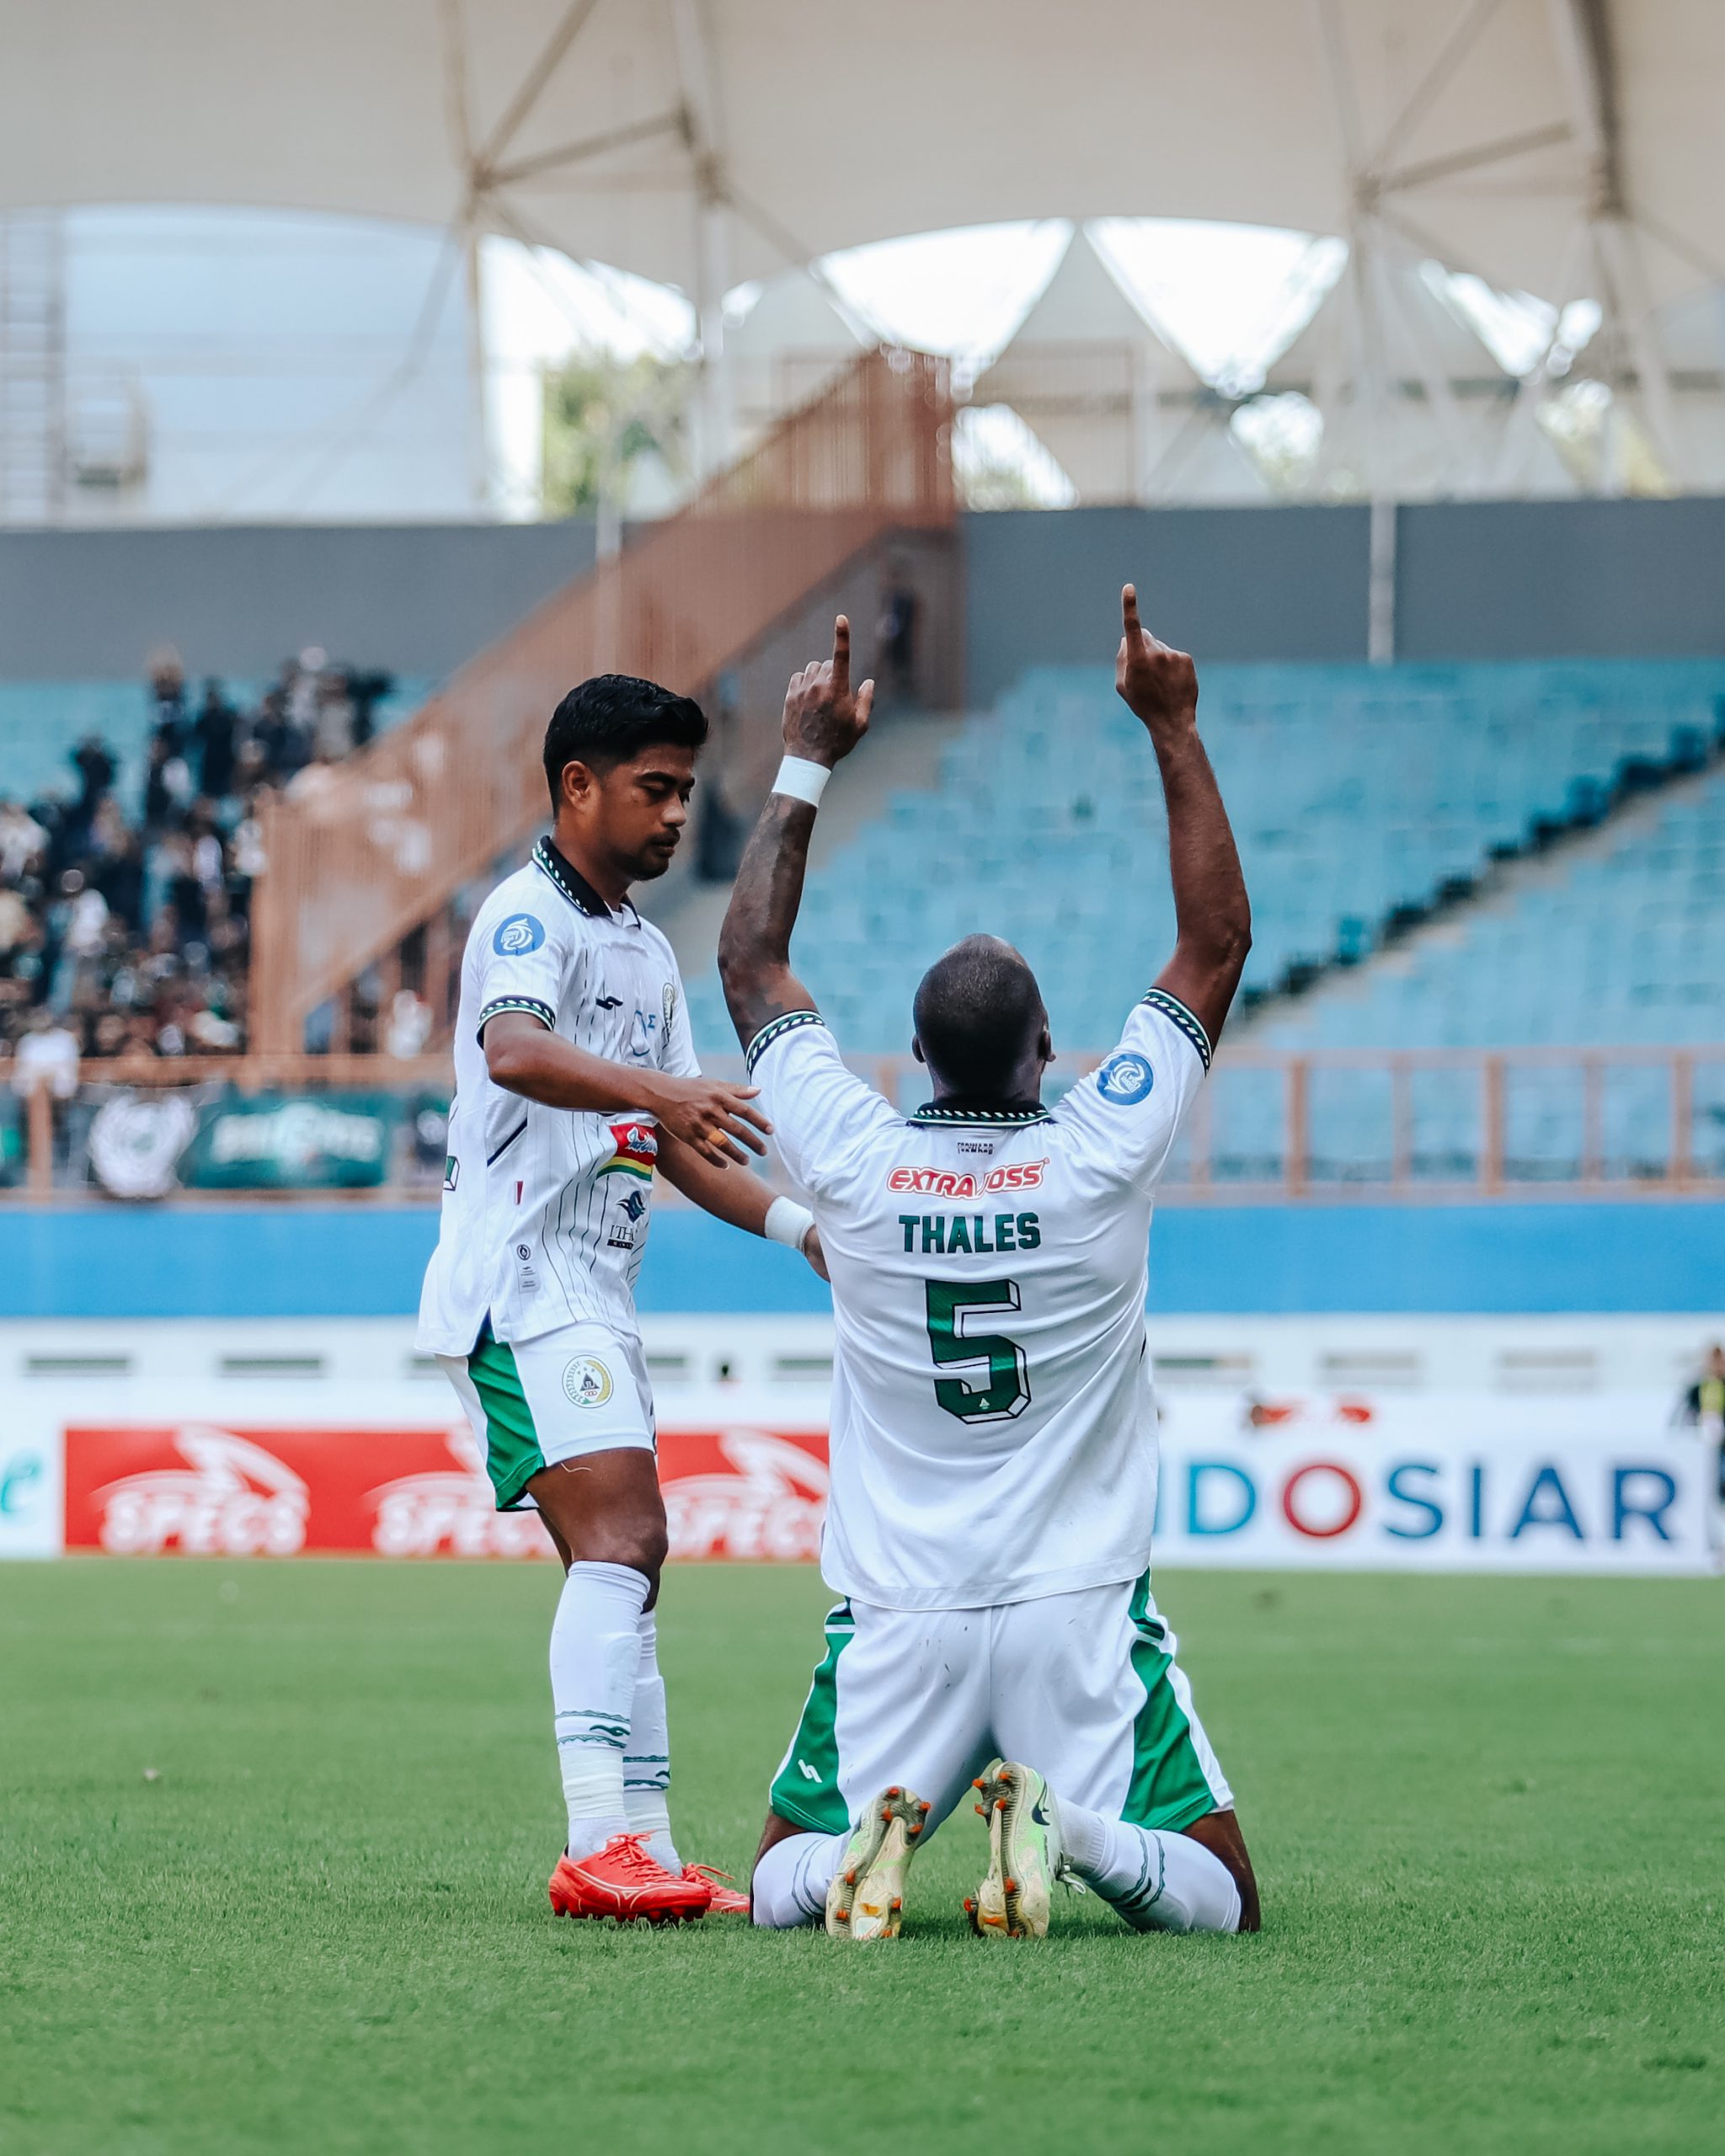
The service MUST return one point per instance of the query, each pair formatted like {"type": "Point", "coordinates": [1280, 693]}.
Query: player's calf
{"type": "Point", "coordinates": [1158, 1880]}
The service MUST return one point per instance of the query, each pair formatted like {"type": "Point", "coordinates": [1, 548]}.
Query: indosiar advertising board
{"type": "Point", "coordinates": [1437, 1483]}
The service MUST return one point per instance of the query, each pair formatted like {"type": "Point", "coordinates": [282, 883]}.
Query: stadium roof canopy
{"type": "Point", "coordinates": [1549, 145]}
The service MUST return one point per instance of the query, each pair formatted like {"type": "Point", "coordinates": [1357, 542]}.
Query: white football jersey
{"type": "Point", "coordinates": [545, 1211]}
{"type": "Point", "coordinates": [993, 1421]}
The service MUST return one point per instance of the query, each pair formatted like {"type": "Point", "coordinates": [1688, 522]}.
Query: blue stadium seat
{"type": "Point", "coordinates": [1355, 791]}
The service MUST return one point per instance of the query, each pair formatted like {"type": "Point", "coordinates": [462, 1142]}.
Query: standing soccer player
{"type": "Point", "coordinates": [994, 1454]}
{"type": "Point", "coordinates": [575, 1078]}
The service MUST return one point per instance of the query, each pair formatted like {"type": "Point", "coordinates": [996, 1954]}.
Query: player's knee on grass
{"type": "Point", "coordinates": [1219, 1832]}
{"type": "Point", "coordinates": [792, 1871]}
{"type": "Point", "coordinates": [776, 1830]}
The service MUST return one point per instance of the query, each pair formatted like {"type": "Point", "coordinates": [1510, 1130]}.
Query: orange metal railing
{"type": "Point", "coordinates": [1263, 1128]}
{"type": "Point", "coordinates": [373, 850]}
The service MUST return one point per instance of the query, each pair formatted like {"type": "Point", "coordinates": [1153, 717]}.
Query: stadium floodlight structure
{"type": "Point", "coordinates": [1562, 148]}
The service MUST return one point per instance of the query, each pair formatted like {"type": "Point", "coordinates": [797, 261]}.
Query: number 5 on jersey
{"type": "Point", "coordinates": [1007, 1392]}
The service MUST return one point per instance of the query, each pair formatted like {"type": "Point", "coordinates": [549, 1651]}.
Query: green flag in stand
{"type": "Point", "coordinates": [272, 1141]}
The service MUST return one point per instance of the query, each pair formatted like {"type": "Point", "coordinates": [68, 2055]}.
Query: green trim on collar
{"type": "Point", "coordinates": [572, 884]}
{"type": "Point", "coordinates": [986, 1119]}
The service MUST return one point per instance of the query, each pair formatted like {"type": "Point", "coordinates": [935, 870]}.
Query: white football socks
{"type": "Point", "coordinates": [596, 1660]}
{"type": "Point", "coordinates": [791, 1880]}
{"type": "Point", "coordinates": [646, 1755]}
{"type": "Point", "coordinates": [1157, 1881]}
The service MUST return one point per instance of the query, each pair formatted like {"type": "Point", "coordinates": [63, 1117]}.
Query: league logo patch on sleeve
{"type": "Point", "coordinates": [517, 935]}
{"type": "Point", "coordinates": [1125, 1079]}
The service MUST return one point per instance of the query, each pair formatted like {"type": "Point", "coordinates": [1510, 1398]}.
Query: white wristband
{"type": "Point", "coordinates": [787, 1223]}
{"type": "Point", "coordinates": [802, 779]}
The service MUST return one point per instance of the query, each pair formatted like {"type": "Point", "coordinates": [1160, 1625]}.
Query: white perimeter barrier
{"type": "Point", "coordinates": [1433, 1483]}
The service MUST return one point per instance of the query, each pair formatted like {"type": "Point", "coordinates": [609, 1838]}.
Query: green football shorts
{"type": "Point", "coordinates": [1085, 1684]}
{"type": "Point", "coordinates": [535, 1403]}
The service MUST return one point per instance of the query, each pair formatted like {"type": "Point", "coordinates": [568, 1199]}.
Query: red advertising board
{"type": "Point", "coordinates": [202, 1489]}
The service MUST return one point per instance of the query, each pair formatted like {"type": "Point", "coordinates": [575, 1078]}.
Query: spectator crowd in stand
{"type": "Point", "coordinates": [124, 909]}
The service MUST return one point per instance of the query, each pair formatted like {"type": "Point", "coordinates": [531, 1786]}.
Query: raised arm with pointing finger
{"type": "Point", "coordinates": [1213, 919]}
{"type": "Point", "coordinates": [823, 721]}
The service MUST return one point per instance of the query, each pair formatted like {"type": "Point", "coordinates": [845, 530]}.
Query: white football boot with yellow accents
{"type": "Point", "coordinates": [866, 1899]}
{"type": "Point", "coordinates": [1025, 1856]}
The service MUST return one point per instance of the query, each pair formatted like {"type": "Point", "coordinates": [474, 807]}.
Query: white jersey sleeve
{"type": "Point", "coordinates": [819, 1111]}
{"type": "Point", "coordinates": [524, 964]}
{"type": "Point", "coordinates": [1124, 1116]}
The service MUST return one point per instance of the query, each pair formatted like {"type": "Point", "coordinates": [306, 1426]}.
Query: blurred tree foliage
{"type": "Point", "coordinates": [602, 415]}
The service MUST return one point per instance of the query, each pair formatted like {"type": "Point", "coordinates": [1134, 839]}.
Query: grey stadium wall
{"type": "Point", "coordinates": [1474, 580]}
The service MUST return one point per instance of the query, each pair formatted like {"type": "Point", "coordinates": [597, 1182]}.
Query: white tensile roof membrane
{"type": "Point", "coordinates": [1480, 132]}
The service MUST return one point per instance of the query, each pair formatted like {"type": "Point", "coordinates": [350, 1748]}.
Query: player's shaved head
{"type": "Point", "coordinates": [982, 1027]}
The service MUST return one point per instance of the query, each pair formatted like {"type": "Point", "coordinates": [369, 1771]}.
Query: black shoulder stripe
{"type": "Point", "coordinates": [1173, 1008]}
{"type": "Point", "coordinates": [786, 1023]}
{"type": "Point", "coordinates": [530, 1004]}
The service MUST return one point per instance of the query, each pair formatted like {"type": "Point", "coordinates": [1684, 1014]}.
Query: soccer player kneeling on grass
{"type": "Point", "coordinates": [574, 1080]}
{"type": "Point", "coordinates": [994, 1451]}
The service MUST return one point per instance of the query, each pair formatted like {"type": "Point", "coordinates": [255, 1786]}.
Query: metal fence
{"type": "Point", "coordinates": [1426, 1124]}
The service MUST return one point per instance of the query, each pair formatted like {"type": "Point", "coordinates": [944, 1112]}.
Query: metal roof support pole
{"type": "Point", "coordinates": [713, 263]}
{"type": "Point", "coordinates": [1619, 246]}
{"type": "Point", "coordinates": [702, 126]}
{"type": "Point", "coordinates": [1433, 379]}
{"type": "Point", "coordinates": [1586, 48]}
{"type": "Point", "coordinates": [1523, 416]}
{"type": "Point", "coordinates": [1380, 589]}
{"type": "Point", "coordinates": [478, 367]}
{"type": "Point", "coordinates": [458, 118]}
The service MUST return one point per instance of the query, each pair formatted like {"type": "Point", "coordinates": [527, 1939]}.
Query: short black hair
{"type": "Point", "coordinates": [978, 1009]}
{"type": "Point", "coordinates": [606, 720]}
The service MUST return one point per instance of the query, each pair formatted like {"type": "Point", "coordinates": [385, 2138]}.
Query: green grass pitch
{"type": "Point", "coordinates": [1489, 1816]}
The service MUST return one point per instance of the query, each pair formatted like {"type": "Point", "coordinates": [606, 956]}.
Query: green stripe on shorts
{"type": "Point", "coordinates": [1169, 1788]}
{"type": "Point", "coordinates": [806, 1790]}
{"type": "Point", "coordinates": [512, 1454]}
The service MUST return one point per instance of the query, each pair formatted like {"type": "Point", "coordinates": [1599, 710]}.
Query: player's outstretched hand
{"type": "Point", "coordinates": [824, 721]}
{"type": "Point", "coordinates": [1158, 684]}
{"type": "Point", "coordinates": [712, 1117]}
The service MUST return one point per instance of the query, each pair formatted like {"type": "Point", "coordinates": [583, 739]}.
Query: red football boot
{"type": "Point", "coordinates": [622, 1881]}
{"type": "Point", "coordinates": [726, 1900]}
